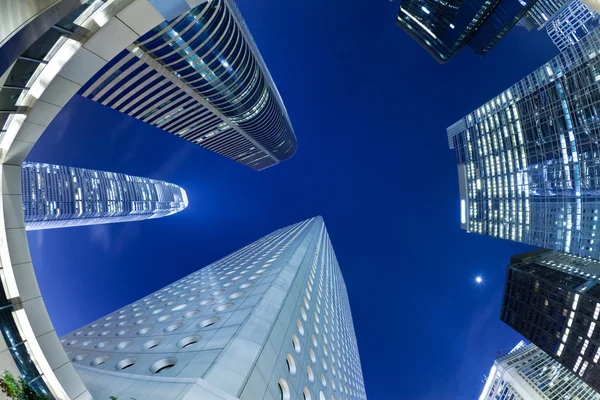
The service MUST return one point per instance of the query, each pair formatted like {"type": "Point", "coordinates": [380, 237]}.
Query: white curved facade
{"type": "Point", "coordinates": [271, 321]}
{"type": "Point", "coordinates": [103, 30]}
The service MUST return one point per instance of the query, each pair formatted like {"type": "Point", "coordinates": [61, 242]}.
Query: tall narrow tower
{"type": "Point", "coordinates": [270, 321]}
{"type": "Point", "coordinates": [528, 160]}
{"type": "Point", "coordinates": [56, 196]}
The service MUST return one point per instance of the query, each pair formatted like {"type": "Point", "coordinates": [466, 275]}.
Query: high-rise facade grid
{"type": "Point", "coordinates": [573, 23]}
{"type": "Point", "coordinates": [528, 159]}
{"type": "Point", "coordinates": [270, 321]}
{"type": "Point", "coordinates": [56, 196]}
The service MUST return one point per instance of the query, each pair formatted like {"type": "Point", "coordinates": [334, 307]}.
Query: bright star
{"type": "Point", "coordinates": [478, 280]}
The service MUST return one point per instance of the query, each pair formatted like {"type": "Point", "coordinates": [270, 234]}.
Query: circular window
{"type": "Point", "coordinates": [323, 380]}
{"type": "Point", "coordinates": [72, 342]}
{"type": "Point", "coordinates": [208, 322]}
{"type": "Point", "coordinates": [322, 396]}
{"type": "Point", "coordinates": [314, 340]}
{"type": "Point", "coordinates": [246, 285]}
{"type": "Point", "coordinates": [206, 301]}
{"type": "Point", "coordinates": [313, 358]}
{"type": "Point", "coordinates": [324, 363]}
{"type": "Point", "coordinates": [193, 298]}
{"type": "Point", "coordinates": [121, 323]}
{"type": "Point", "coordinates": [291, 364]}
{"type": "Point", "coordinates": [79, 333]}
{"type": "Point", "coordinates": [306, 303]}
{"type": "Point", "coordinates": [163, 365]}
{"type": "Point", "coordinates": [141, 321]}
{"type": "Point", "coordinates": [143, 331]}
{"type": "Point", "coordinates": [179, 307]}
{"type": "Point", "coordinates": [87, 342]}
{"type": "Point", "coordinates": [296, 343]}
{"type": "Point", "coordinates": [236, 295]}
{"type": "Point", "coordinates": [303, 313]}
{"type": "Point", "coordinates": [309, 373]}
{"type": "Point", "coordinates": [306, 394]}
{"type": "Point", "coordinates": [94, 325]}
{"type": "Point", "coordinates": [218, 292]}
{"type": "Point", "coordinates": [124, 344]}
{"type": "Point", "coordinates": [300, 327]}
{"type": "Point", "coordinates": [151, 344]}
{"type": "Point", "coordinates": [104, 333]}
{"type": "Point", "coordinates": [80, 357]}
{"type": "Point", "coordinates": [173, 327]}
{"type": "Point", "coordinates": [284, 389]}
{"type": "Point", "coordinates": [254, 277]}
{"type": "Point", "coordinates": [223, 307]}
{"type": "Point", "coordinates": [124, 364]}
{"type": "Point", "coordinates": [99, 360]}
{"type": "Point", "coordinates": [122, 332]}
{"type": "Point", "coordinates": [191, 313]}
{"type": "Point", "coordinates": [157, 311]}
{"type": "Point", "coordinates": [164, 318]}
{"type": "Point", "coordinates": [102, 344]}
{"type": "Point", "coordinates": [188, 341]}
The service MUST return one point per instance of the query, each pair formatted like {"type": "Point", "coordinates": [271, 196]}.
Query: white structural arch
{"type": "Point", "coordinates": [105, 29]}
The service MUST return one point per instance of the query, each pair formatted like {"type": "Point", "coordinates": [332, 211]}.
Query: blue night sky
{"type": "Point", "coordinates": [370, 109]}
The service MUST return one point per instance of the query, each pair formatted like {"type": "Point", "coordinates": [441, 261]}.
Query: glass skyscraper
{"type": "Point", "coordinates": [553, 300]}
{"type": "Point", "coordinates": [269, 321]}
{"type": "Point", "coordinates": [527, 373]}
{"type": "Point", "coordinates": [201, 77]}
{"type": "Point", "coordinates": [444, 28]}
{"type": "Point", "coordinates": [529, 159]}
{"type": "Point", "coordinates": [543, 12]}
{"type": "Point", "coordinates": [56, 196]}
{"type": "Point", "coordinates": [571, 24]}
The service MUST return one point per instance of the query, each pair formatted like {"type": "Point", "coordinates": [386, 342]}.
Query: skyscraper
{"type": "Point", "coordinates": [571, 24]}
{"type": "Point", "coordinates": [55, 196]}
{"type": "Point", "coordinates": [543, 12]}
{"type": "Point", "coordinates": [201, 77]}
{"type": "Point", "coordinates": [528, 159]}
{"type": "Point", "coordinates": [526, 372]}
{"type": "Point", "coordinates": [553, 300]}
{"type": "Point", "coordinates": [444, 28]}
{"type": "Point", "coordinates": [270, 321]}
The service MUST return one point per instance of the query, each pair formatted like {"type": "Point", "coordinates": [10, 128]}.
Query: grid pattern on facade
{"type": "Point", "coordinates": [56, 196]}
{"type": "Point", "coordinates": [201, 77]}
{"type": "Point", "coordinates": [553, 300]}
{"type": "Point", "coordinates": [527, 373]}
{"type": "Point", "coordinates": [544, 11]}
{"type": "Point", "coordinates": [572, 24]}
{"type": "Point", "coordinates": [187, 330]}
{"type": "Point", "coordinates": [528, 158]}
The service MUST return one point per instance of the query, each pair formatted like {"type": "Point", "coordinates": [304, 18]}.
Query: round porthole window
{"type": "Point", "coordinates": [163, 365]}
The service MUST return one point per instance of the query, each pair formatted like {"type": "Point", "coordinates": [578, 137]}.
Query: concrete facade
{"type": "Point", "coordinates": [270, 321]}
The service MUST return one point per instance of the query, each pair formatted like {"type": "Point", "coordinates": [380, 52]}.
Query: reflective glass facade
{"type": "Point", "coordinates": [55, 196]}
{"type": "Point", "coordinates": [543, 12]}
{"type": "Point", "coordinates": [527, 373]}
{"type": "Point", "coordinates": [201, 77]}
{"type": "Point", "coordinates": [571, 24]}
{"type": "Point", "coordinates": [553, 300]}
{"type": "Point", "coordinates": [444, 28]}
{"type": "Point", "coordinates": [269, 321]}
{"type": "Point", "coordinates": [528, 160]}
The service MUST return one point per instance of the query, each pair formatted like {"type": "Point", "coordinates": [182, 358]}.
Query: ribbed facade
{"type": "Point", "coordinates": [528, 160]}
{"type": "Point", "coordinates": [270, 321]}
{"type": "Point", "coordinates": [201, 77]}
{"type": "Point", "coordinates": [56, 196]}
{"type": "Point", "coordinates": [553, 300]}
{"type": "Point", "coordinates": [572, 24]}
{"type": "Point", "coordinates": [527, 373]}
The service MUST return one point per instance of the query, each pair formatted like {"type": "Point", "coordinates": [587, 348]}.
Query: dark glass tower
{"type": "Point", "coordinates": [553, 300]}
{"type": "Point", "coordinates": [572, 24]}
{"type": "Point", "coordinates": [444, 28]}
{"type": "Point", "coordinates": [55, 196]}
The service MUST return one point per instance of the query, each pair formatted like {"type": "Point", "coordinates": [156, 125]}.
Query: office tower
{"type": "Point", "coordinates": [526, 372]}
{"type": "Point", "coordinates": [55, 196]}
{"type": "Point", "coordinates": [553, 300]}
{"type": "Point", "coordinates": [201, 77]}
{"type": "Point", "coordinates": [571, 24]}
{"type": "Point", "coordinates": [444, 28]}
{"type": "Point", "coordinates": [270, 321]}
{"type": "Point", "coordinates": [527, 159]}
{"type": "Point", "coordinates": [543, 12]}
